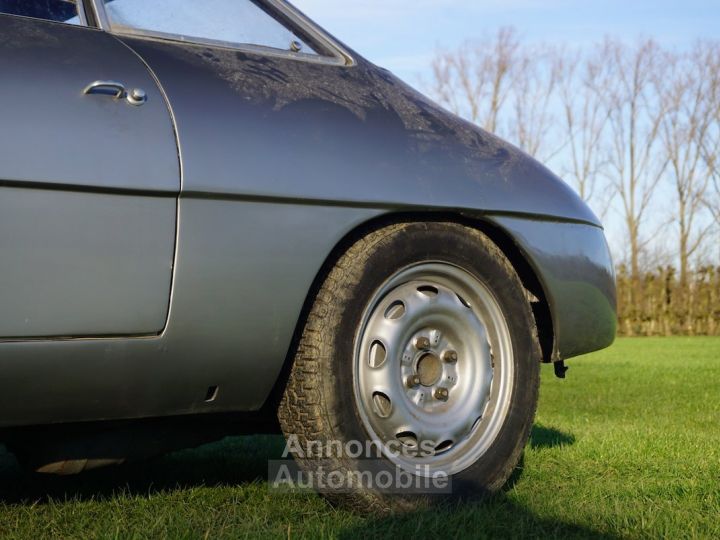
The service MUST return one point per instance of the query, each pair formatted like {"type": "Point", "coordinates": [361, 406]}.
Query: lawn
{"type": "Point", "coordinates": [627, 446]}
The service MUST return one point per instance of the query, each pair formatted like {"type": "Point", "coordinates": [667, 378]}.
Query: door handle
{"type": "Point", "coordinates": [136, 96]}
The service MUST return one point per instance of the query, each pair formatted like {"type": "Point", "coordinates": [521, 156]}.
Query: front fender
{"type": "Point", "coordinates": [574, 267]}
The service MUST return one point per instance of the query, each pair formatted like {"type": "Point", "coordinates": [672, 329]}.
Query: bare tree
{"type": "Point", "coordinates": [687, 100]}
{"type": "Point", "coordinates": [622, 123]}
{"type": "Point", "coordinates": [475, 80]}
{"type": "Point", "coordinates": [538, 75]}
{"type": "Point", "coordinates": [584, 124]}
{"type": "Point", "coordinates": [634, 121]}
{"type": "Point", "coordinates": [710, 143]}
{"type": "Point", "coordinates": [634, 128]}
{"type": "Point", "coordinates": [501, 86]}
{"type": "Point", "coordinates": [712, 200]}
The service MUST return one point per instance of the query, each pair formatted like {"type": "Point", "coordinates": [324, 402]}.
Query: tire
{"type": "Point", "coordinates": [369, 369]}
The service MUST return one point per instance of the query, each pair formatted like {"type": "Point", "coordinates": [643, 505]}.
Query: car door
{"type": "Point", "coordinates": [268, 119]}
{"type": "Point", "coordinates": [89, 178]}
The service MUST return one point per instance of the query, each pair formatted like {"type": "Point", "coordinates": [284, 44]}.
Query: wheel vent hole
{"type": "Point", "coordinates": [395, 311]}
{"type": "Point", "coordinates": [211, 394]}
{"type": "Point", "coordinates": [443, 447]}
{"type": "Point", "coordinates": [463, 301]}
{"type": "Point", "coordinates": [428, 290]}
{"type": "Point", "coordinates": [382, 403]}
{"type": "Point", "coordinates": [377, 354]}
{"type": "Point", "coordinates": [408, 438]}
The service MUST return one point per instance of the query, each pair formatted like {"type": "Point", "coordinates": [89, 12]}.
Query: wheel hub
{"type": "Point", "coordinates": [429, 368]}
{"type": "Point", "coordinates": [432, 372]}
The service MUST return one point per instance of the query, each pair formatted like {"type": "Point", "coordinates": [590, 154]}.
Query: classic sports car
{"type": "Point", "coordinates": [215, 216]}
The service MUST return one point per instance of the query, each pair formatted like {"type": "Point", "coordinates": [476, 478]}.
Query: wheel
{"type": "Point", "coordinates": [420, 354]}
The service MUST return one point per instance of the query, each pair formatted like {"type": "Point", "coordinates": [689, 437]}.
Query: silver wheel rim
{"type": "Point", "coordinates": [433, 369]}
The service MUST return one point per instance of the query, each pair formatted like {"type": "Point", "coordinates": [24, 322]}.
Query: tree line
{"type": "Point", "coordinates": [635, 128]}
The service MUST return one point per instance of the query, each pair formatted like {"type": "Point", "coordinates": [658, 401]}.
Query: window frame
{"type": "Point", "coordinates": [82, 14]}
{"type": "Point", "coordinates": [82, 18]}
{"type": "Point", "coordinates": [329, 51]}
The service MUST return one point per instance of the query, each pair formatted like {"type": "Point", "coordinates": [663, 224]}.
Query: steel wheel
{"type": "Point", "coordinates": [433, 368]}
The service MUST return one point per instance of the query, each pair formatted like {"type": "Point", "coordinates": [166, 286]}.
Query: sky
{"type": "Point", "coordinates": [403, 35]}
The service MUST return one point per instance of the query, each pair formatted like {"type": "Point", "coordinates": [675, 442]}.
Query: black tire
{"type": "Point", "coordinates": [318, 402]}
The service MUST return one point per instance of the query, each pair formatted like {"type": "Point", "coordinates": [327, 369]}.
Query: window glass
{"type": "Point", "coordinates": [52, 10]}
{"type": "Point", "coordinates": [232, 21]}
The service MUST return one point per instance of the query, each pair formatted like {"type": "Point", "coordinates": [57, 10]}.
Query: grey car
{"type": "Point", "coordinates": [216, 218]}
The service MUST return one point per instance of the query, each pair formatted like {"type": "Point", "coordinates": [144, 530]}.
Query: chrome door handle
{"type": "Point", "coordinates": [136, 96]}
{"type": "Point", "coordinates": [111, 88]}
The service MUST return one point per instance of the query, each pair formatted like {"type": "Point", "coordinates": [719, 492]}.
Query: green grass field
{"type": "Point", "coordinates": [627, 446]}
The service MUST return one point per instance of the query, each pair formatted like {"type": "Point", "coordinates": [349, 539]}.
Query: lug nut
{"type": "Point", "coordinates": [422, 343]}
{"type": "Point", "coordinates": [413, 381]}
{"type": "Point", "coordinates": [442, 394]}
{"type": "Point", "coordinates": [450, 357]}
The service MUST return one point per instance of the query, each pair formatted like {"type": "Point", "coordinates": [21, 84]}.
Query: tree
{"type": "Point", "coordinates": [584, 124]}
{"type": "Point", "coordinates": [710, 143]}
{"type": "Point", "coordinates": [687, 100]}
{"type": "Point", "coordinates": [538, 73]}
{"type": "Point", "coordinates": [475, 81]}
{"type": "Point", "coordinates": [635, 166]}
{"type": "Point", "coordinates": [633, 127]}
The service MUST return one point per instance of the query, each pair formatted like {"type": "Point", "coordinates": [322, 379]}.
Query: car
{"type": "Point", "coordinates": [217, 218]}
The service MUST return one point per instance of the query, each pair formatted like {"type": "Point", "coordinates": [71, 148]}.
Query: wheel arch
{"type": "Point", "coordinates": [521, 263]}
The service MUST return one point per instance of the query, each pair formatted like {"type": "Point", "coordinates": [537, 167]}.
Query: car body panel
{"type": "Point", "coordinates": [282, 158]}
{"type": "Point", "coordinates": [256, 126]}
{"type": "Point", "coordinates": [87, 206]}
{"type": "Point", "coordinates": [79, 263]}
{"type": "Point", "coordinates": [236, 302]}
{"type": "Point", "coordinates": [574, 265]}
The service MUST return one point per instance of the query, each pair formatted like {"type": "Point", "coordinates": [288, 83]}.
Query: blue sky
{"type": "Point", "coordinates": [403, 35]}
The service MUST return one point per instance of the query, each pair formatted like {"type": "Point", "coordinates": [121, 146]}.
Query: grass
{"type": "Point", "coordinates": [627, 446]}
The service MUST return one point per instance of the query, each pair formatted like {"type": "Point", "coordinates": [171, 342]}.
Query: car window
{"type": "Point", "coordinates": [232, 21]}
{"type": "Point", "coordinates": [51, 10]}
